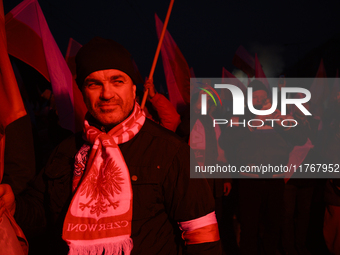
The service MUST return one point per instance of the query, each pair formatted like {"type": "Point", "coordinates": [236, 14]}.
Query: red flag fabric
{"type": "Point", "coordinates": [30, 40]}
{"type": "Point", "coordinates": [259, 74]}
{"type": "Point", "coordinates": [336, 87]}
{"type": "Point", "coordinates": [297, 156]}
{"type": "Point", "coordinates": [72, 50]}
{"type": "Point", "coordinates": [79, 106]}
{"type": "Point", "coordinates": [176, 70]}
{"type": "Point", "coordinates": [321, 73]}
{"type": "Point", "coordinates": [2, 20]}
{"type": "Point", "coordinates": [12, 106]}
{"type": "Point", "coordinates": [244, 61]}
{"type": "Point", "coordinates": [192, 73]}
{"type": "Point", "coordinates": [11, 109]}
{"type": "Point", "coordinates": [227, 75]}
{"type": "Point", "coordinates": [319, 91]}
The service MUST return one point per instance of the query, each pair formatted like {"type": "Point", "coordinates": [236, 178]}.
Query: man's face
{"type": "Point", "coordinates": [109, 96]}
{"type": "Point", "coordinates": [259, 98]}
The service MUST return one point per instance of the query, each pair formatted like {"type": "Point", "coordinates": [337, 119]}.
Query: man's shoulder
{"type": "Point", "coordinates": [71, 144]}
{"type": "Point", "coordinates": [156, 132]}
{"type": "Point", "coordinates": [154, 145]}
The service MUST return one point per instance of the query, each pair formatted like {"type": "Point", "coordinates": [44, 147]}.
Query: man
{"type": "Point", "coordinates": [126, 186]}
{"type": "Point", "coordinates": [260, 199]}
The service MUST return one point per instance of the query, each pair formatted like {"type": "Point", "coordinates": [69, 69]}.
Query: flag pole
{"type": "Point", "coordinates": [157, 51]}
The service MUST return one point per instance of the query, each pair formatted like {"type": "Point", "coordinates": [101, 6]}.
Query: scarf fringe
{"type": "Point", "coordinates": [116, 248]}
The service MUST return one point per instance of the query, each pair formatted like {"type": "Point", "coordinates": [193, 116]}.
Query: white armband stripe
{"type": "Point", "coordinates": [194, 224]}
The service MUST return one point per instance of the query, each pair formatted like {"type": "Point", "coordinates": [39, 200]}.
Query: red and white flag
{"type": "Point", "coordinates": [79, 106]}
{"type": "Point", "coordinates": [229, 77]}
{"type": "Point", "coordinates": [244, 61]}
{"type": "Point", "coordinates": [192, 73]}
{"type": "Point", "coordinates": [319, 91]}
{"type": "Point", "coordinates": [12, 108]}
{"type": "Point", "coordinates": [30, 40]}
{"type": "Point", "coordinates": [259, 73]}
{"type": "Point", "coordinates": [336, 87]}
{"type": "Point", "coordinates": [176, 70]}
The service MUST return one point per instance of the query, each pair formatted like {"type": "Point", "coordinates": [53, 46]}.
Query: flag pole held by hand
{"type": "Point", "coordinates": [157, 51]}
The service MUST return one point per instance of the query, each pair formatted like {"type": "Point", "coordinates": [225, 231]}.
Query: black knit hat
{"type": "Point", "coordinates": [102, 54]}
{"type": "Point", "coordinates": [258, 85]}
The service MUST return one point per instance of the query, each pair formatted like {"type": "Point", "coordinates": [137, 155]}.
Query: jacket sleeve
{"type": "Point", "coordinates": [189, 199]}
{"type": "Point", "coordinates": [169, 118]}
{"type": "Point", "coordinates": [30, 212]}
{"type": "Point", "coordinates": [19, 159]}
{"type": "Point", "coordinates": [40, 204]}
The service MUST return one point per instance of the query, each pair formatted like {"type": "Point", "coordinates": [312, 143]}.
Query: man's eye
{"type": "Point", "coordinates": [118, 82]}
{"type": "Point", "coordinates": [93, 85]}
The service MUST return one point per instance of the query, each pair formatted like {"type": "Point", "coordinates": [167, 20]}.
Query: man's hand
{"type": "Point", "coordinates": [7, 199]}
{"type": "Point", "coordinates": [149, 85]}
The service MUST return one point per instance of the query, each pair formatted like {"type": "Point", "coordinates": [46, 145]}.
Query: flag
{"type": "Point", "coordinates": [194, 86]}
{"type": "Point", "coordinates": [244, 61]}
{"type": "Point", "coordinates": [229, 78]}
{"type": "Point", "coordinates": [336, 87]}
{"type": "Point", "coordinates": [192, 73]}
{"type": "Point", "coordinates": [79, 106]}
{"type": "Point", "coordinates": [11, 109]}
{"type": "Point", "coordinates": [30, 40]}
{"type": "Point", "coordinates": [319, 91]}
{"type": "Point", "coordinates": [12, 106]}
{"type": "Point", "coordinates": [226, 75]}
{"type": "Point", "coordinates": [72, 50]}
{"type": "Point", "coordinates": [296, 158]}
{"type": "Point", "coordinates": [176, 70]}
{"type": "Point", "coordinates": [259, 74]}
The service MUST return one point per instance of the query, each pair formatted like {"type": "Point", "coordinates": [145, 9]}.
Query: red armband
{"type": "Point", "coordinates": [200, 230]}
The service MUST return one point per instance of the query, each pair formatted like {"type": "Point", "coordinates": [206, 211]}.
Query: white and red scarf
{"type": "Point", "coordinates": [99, 217]}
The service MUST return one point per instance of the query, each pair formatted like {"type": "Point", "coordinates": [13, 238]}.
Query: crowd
{"type": "Point", "coordinates": [123, 186]}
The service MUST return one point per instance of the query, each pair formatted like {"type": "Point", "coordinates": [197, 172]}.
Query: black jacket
{"type": "Point", "coordinates": [163, 194]}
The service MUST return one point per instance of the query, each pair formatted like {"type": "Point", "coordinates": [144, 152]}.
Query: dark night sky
{"type": "Point", "coordinates": [208, 33]}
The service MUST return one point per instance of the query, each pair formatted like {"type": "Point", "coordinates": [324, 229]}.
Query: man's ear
{"type": "Point", "coordinates": [134, 91]}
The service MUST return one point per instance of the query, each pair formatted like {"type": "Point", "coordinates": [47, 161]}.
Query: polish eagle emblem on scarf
{"type": "Point", "coordinates": [102, 185]}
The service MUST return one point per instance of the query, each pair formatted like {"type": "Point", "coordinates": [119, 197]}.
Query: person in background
{"type": "Point", "coordinates": [158, 108]}
{"type": "Point", "coordinates": [260, 197]}
{"type": "Point", "coordinates": [299, 191]}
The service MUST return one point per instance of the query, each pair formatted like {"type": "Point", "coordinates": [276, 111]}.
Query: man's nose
{"type": "Point", "coordinates": [107, 92]}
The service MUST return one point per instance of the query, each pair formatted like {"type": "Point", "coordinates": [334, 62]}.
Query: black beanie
{"type": "Point", "coordinates": [258, 85]}
{"type": "Point", "coordinates": [102, 54]}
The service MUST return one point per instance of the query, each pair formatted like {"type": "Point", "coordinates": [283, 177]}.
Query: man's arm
{"type": "Point", "coordinates": [190, 203]}
{"type": "Point", "coordinates": [19, 161]}
{"type": "Point", "coordinates": [26, 207]}
{"type": "Point", "coordinates": [42, 201]}
{"type": "Point", "coordinates": [168, 116]}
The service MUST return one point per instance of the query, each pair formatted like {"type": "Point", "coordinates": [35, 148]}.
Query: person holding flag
{"type": "Point", "coordinates": [260, 196]}
{"type": "Point", "coordinates": [158, 108]}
